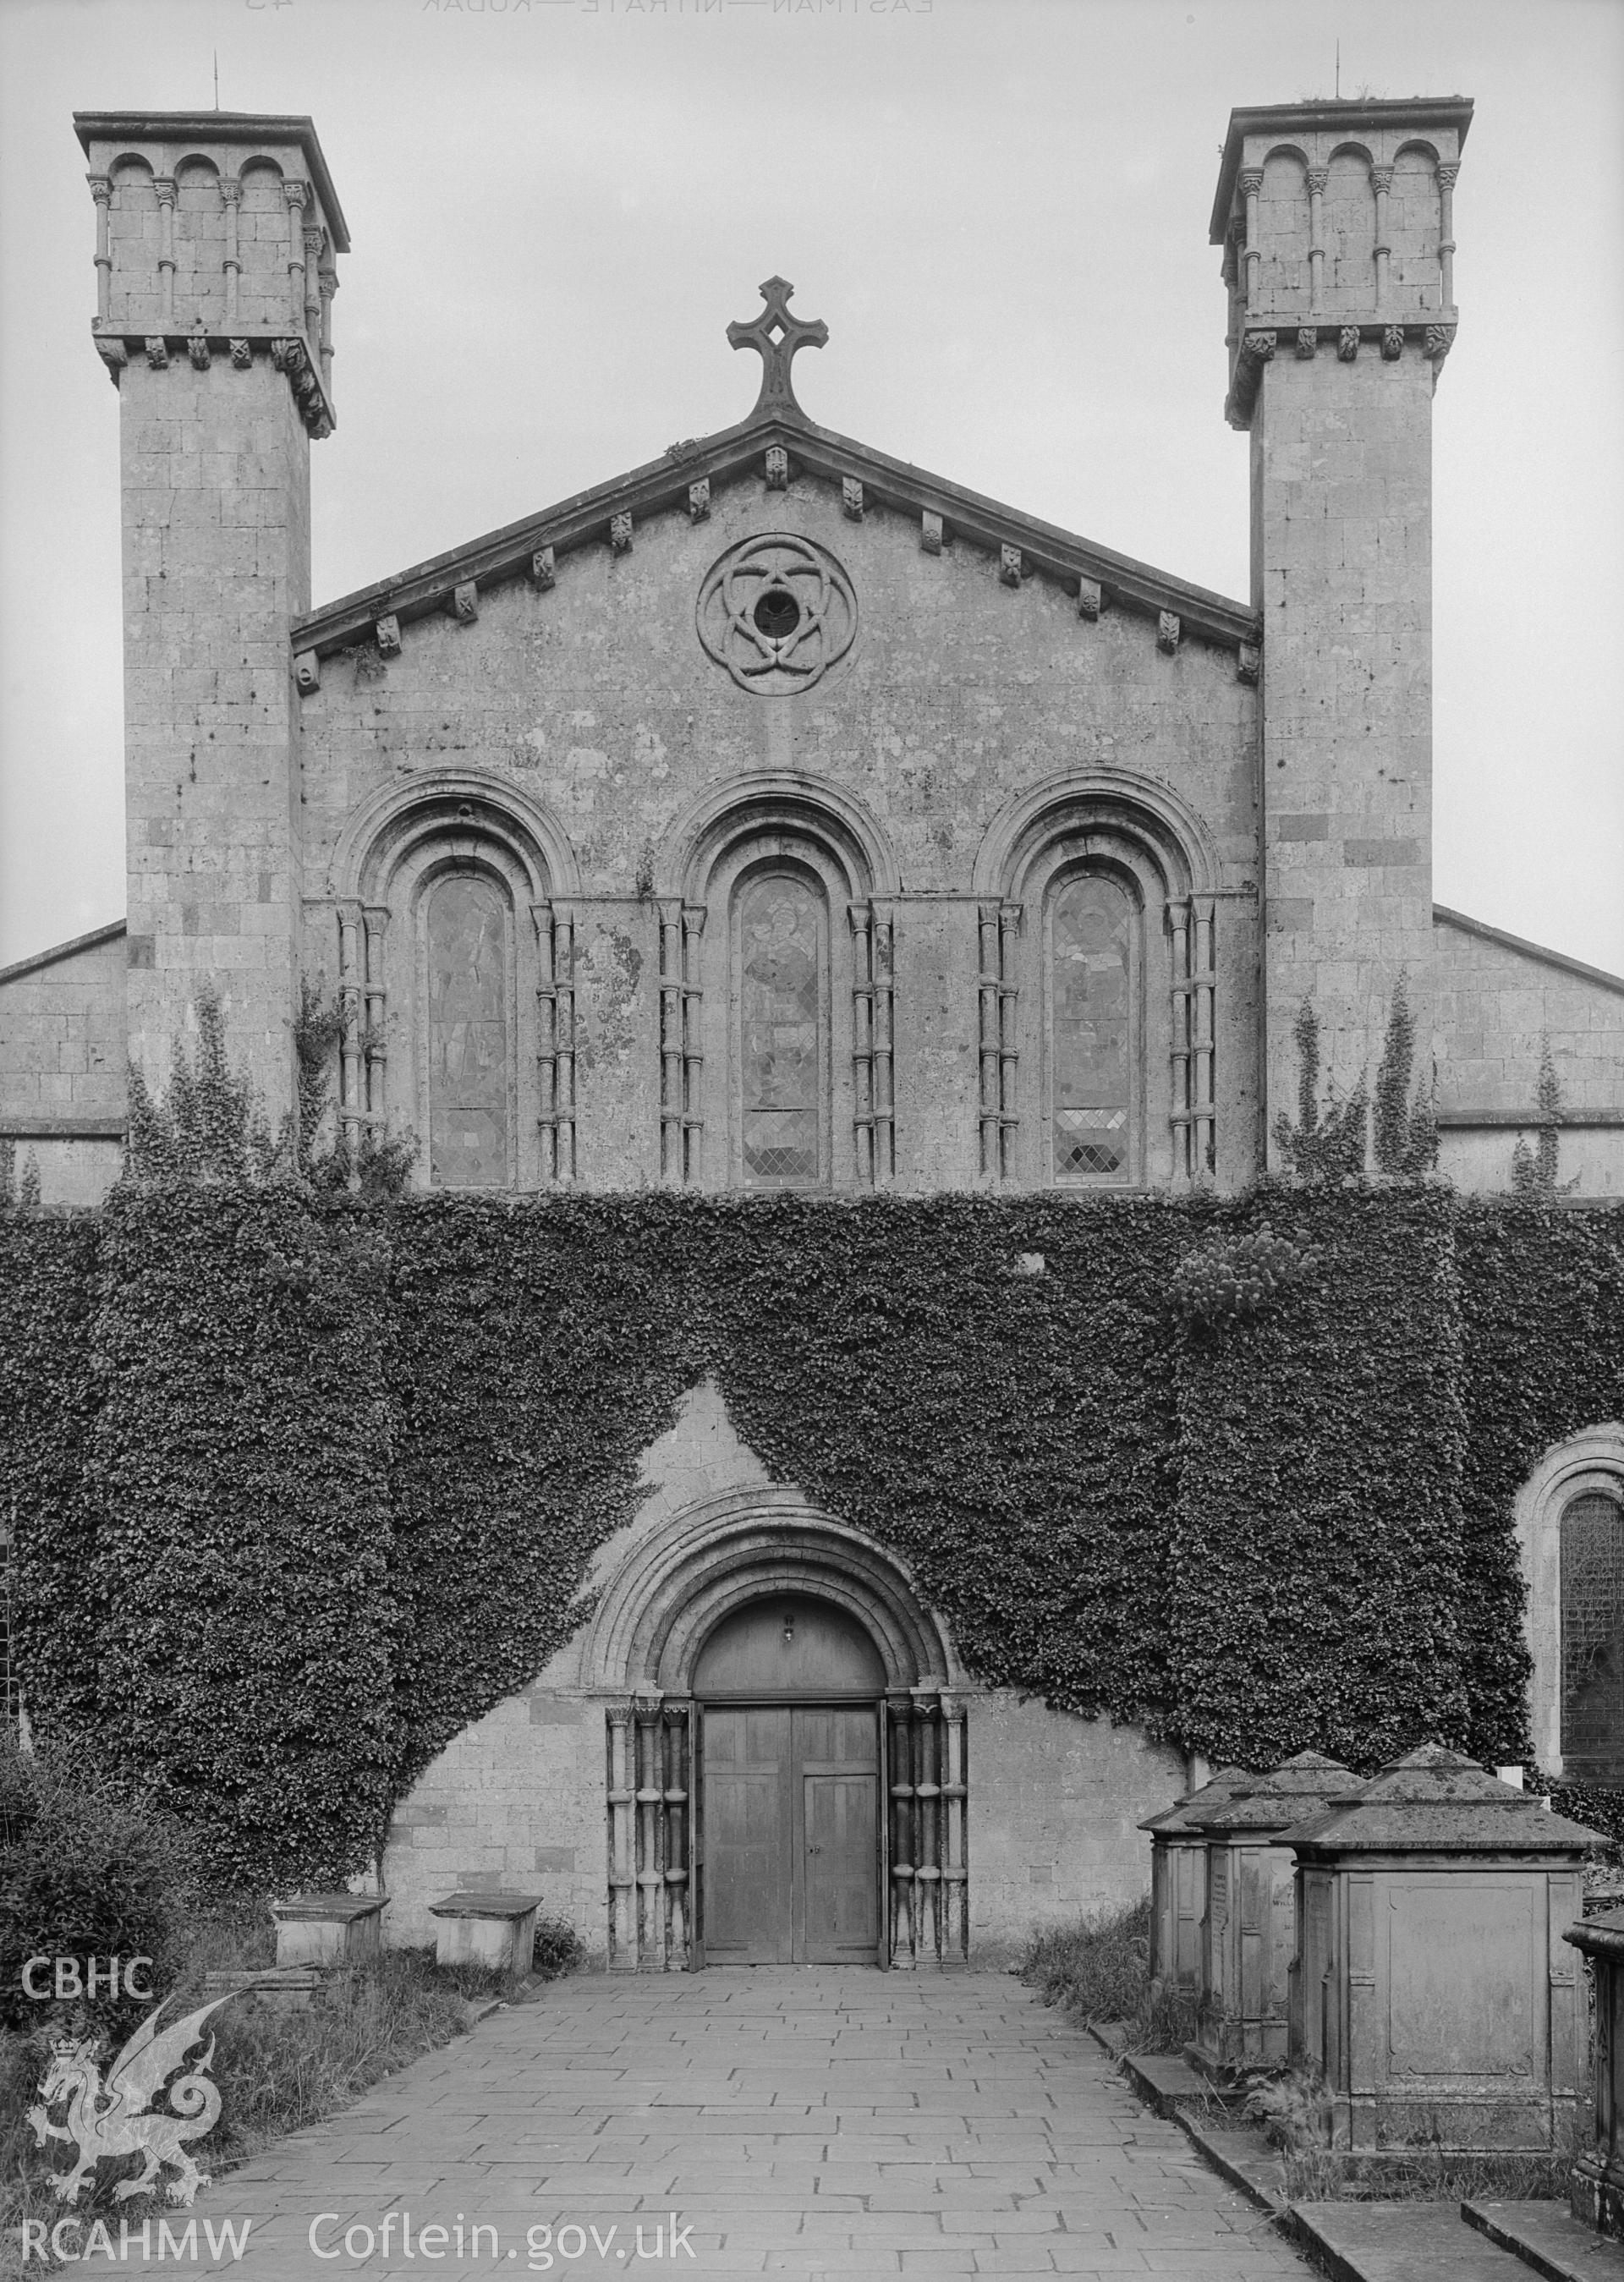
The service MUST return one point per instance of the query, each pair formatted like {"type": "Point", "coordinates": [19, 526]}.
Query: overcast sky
{"type": "Point", "coordinates": [1000, 209]}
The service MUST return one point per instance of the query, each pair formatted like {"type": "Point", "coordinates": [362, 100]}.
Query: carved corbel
{"type": "Point", "coordinates": [114, 356]}
{"type": "Point", "coordinates": [1392, 343]}
{"type": "Point", "coordinates": [699, 500]}
{"type": "Point", "coordinates": [541, 570]}
{"type": "Point", "coordinates": [157, 354]}
{"type": "Point", "coordinates": [1010, 565]}
{"type": "Point", "coordinates": [930, 533]}
{"type": "Point", "coordinates": [388, 632]}
{"type": "Point", "coordinates": [307, 672]}
{"type": "Point", "coordinates": [1088, 597]}
{"type": "Point", "coordinates": [197, 347]}
{"type": "Point", "coordinates": [778, 468]}
{"type": "Point", "coordinates": [852, 499]}
{"type": "Point", "coordinates": [1258, 348]}
{"type": "Point", "coordinates": [1347, 343]}
{"type": "Point", "coordinates": [1248, 663]}
{"type": "Point", "coordinates": [1308, 342]}
{"type": "Point", "coordinates": [1168, 631]}
{"type": "Point", "coordinates": [465, 601]}
{"type": "Point", "coordinates": [620, 534]}
{"type": "Point", "coordinates": [1440, 341]}
{"type": "Point", "coordinates": [242, 356]}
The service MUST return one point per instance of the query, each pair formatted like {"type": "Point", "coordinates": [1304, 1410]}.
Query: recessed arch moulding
{"type": "Point", "coordinates": [581, 1789]}
{"type": "Point", "coordinates": [1584, 1466]}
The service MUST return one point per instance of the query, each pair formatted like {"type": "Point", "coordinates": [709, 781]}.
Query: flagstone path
{"type": "Point", "coordinates": [800, 2123]}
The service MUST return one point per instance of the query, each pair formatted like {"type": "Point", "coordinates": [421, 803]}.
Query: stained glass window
{"type": "Point", "coordinates": [1089, 1070]}
{"type": "Point", "coordinates": [1593, 1638]}
{"type": "Point", "coordinates": [780, 1053]}
{"type": "Point", "coordinates": [468, 1034]}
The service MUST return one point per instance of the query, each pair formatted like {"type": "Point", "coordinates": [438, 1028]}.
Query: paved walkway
{"type": "Point", "coordinates": [803, 2124]}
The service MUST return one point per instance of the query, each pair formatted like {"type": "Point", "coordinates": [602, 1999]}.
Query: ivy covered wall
{"type": "Point", "coordinates": [304, 1485]}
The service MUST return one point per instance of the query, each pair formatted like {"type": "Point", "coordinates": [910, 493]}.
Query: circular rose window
{"type": "Point", "coordinates": [777, 611]}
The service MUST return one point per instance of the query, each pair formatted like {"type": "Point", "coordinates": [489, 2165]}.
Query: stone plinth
{"type": "Point", "coordinates": [284, 1988]}
{"type": "Point", "coordinates": [496, 1929]}
{"type": "Point", "coordinates": [329, 1928]}
{"type": "Point", "coordinates": [1596, 2183]}
{"type": "Point", "coordinates": [1437, 1997]}
{"type": "Point", "coordinates": [1179, 1885]}
{"type": "Point", "coordinates": [1249, 1926]}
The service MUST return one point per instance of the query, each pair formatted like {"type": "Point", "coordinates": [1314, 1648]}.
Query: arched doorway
{"type": "Point", "coordinates": [787, 1693]}
{"type": "Point", "coordinates": [684, 1630]}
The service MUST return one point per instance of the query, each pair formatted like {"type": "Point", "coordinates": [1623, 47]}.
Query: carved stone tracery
{"type": "Point", "coordinates": [777, 611]}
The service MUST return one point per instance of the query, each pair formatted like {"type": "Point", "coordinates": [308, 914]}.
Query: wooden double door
{"type": "Point", "coordinates": [789, 1834]}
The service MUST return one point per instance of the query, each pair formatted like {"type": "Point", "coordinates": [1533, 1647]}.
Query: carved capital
{"type": "Point", "coordinates": [1249, 662]}
{"type": "Point", "coordinates": [1381, 178]}
{"type": "Point", "coordinates": [101, 188]}
{"type": "Point", "coordinates": [852, 499]}
{"type": "Point", "coordinates": [1251, 180]}
{"type": "Point", "coordinates": [1088, 597]}
{"type": "Point", "coordinates": [388, 632]}
{"type": "Point", "coordinates": [930, 533]}
{"type": "Point", "coordinates": [242, 356]}
{"type": "Point", "coordinates": [1448, 174]}
{"type": "Point", "coordinates": [1258, 348]}
{"type": "Point", "coordinates": [312, 241]}
{"type": "Point", "coordinates": [1440, 340]}
{"type": "Point", "coordinates": [699, 500]}
{"type": "Point", "coordinates": [1168, 631]}
{"type": "Point", "coordinates": [1318, 177]}
{"type": "Point", "coordinates": [1010, 565]}
{"type": "Point", "coordinates": [465, 601]}
{"type": "Point", "coordinates": [157, 354]}
{"type": "Point", "coordinates": [307, 671]}
{"type": "Point", "coordinates": [1308, 341]}
{"type": "Point", "coordinates": [778, 468]}
{"type": "Point", "coordinates": [1347, 343]}
{"type": "Point", "coordinates": [620, 534]}
{"type": "Point", "coordinates": [297, 195]}
{"type": "Point", "coordinates": [230, 191]}
{"type": "Point", "coordinates": [542, 570]}
{"type": "Point", "coordinates": [1392, 343]}
{"type": "Point", "coordinates": [164, 186]}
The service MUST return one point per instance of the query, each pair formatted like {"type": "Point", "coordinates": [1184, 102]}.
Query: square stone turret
{"type": "Point", "coordinates": [217, 236]}
{"type": "Point", "coordinates": [1336, 221]}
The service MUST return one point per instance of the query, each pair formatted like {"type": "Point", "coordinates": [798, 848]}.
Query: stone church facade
{"type": "Point", "coordinates": [781, 816]}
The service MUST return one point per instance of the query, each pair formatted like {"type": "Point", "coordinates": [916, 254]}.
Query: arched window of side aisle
{"type": "Point", "coordinates": [1092, 976]}
{"type": "Point", "coordinates": [1592, 1560]}
{"type": "Point", "coordinates": [780, 1047]}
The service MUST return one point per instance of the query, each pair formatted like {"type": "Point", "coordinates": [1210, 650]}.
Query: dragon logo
{"type": "Point", "coordinates": [116, 2118]}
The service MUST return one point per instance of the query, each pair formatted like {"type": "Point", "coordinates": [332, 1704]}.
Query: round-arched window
{"type": "Point", "coordinates": [1092, 1044]}
{"type": "Point", "coordinates": [1592, 1557]}
{"type": "Point", "coordinates": [781, 995]}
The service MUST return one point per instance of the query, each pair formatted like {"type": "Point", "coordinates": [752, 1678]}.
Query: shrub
{"type": "Point", "coordinates": [85, 1870]}
{"type": "Point", "coordinates": [558, 1948]}
{"type": "Point", "coordinates": [1097, 1966]}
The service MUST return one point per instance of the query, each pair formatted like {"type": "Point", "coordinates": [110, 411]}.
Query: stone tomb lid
{"type": "Point", "coordinates": [1225, 1784]}
{"type": "Point", "coordinates": [469, 1903]}
{"type": "Point", "coordinates": [1299, 1788]}
{"type": "Point", "coordinates": [1602, 1935]}
{"type": "Point", "coordinates": [1435, 1801]}
{"type": "Point", "coordinates": [329, 1906]}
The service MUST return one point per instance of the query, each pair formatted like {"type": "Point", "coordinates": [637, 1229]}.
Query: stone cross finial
{"type": "Point", "coordinates": [776, 334]}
